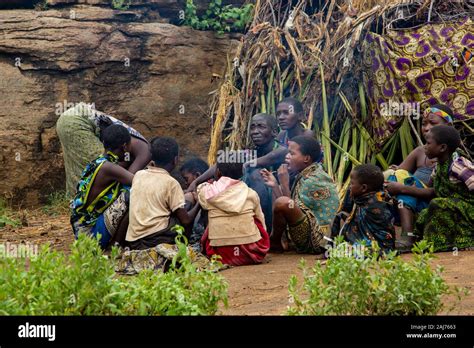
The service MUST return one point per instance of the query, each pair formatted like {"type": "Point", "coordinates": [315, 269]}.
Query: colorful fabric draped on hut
{"type": "Point", "coordinates": [430, 64]}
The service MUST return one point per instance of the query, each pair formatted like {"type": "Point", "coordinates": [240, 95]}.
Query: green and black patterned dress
{"type": "Point", "coordinates": [448, 222]}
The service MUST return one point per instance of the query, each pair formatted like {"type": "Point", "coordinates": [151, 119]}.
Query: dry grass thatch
{"type": "Point", "coordinates": [300, 48]}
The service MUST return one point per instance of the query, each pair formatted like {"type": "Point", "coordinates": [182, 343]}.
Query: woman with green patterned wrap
{"type": "Point", "coordinates": [306, 212]}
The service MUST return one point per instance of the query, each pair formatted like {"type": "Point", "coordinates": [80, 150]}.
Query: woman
{"type": "Point", "coordinates": [415, 171]}
{"type": "Point", "coordinates": [79, 130]}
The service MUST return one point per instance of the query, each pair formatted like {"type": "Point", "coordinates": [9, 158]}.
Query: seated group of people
{"type": "Point", "coordinates": [239, 210]}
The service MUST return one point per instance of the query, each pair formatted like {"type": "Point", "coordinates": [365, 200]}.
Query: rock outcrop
{"type": "Point", "coordinates": [132, 64]}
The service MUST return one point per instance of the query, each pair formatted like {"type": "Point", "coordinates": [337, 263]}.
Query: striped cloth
{"type": "Point", "coordinates": [462, 170]}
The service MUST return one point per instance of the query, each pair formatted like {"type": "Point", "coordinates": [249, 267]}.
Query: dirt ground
{"type": "Point", "coordinates": [263, 289]}
{"type": "Point", "coordinates": [253, 290]}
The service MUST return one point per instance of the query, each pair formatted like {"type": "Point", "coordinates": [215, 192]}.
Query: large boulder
{"type": "Point", "coordinates": [167, 8]}
{"type": "Point", "coordinates": [155, 76]}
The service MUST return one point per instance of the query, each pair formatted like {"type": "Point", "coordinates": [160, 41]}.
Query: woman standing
{"type": "Point", "coordinates": [79, 130]}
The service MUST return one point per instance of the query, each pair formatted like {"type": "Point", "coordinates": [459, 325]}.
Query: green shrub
{"type": "Point", "coordinates": [180, 291]}
{"type": "Point", "coordinates": [41, 5]}
{"type": "Point", "coordinates": [217, 17]}
{"type": "Point", "coordinates": [120, 4]}
{"type": "Point", "coordinates": [85, 283]}
{"type": "Point", "coordinates": [7, 216]}
{"type": "Point", "coordinates": [370, 285]}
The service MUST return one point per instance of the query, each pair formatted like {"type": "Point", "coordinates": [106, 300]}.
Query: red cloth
{"type": "Point", "coordinates": [239, 255]}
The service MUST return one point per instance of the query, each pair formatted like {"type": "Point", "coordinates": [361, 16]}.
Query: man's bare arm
{"type": "Point", "coordinates": [273, 157]}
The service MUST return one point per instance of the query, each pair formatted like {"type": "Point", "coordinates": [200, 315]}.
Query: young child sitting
{"type": "Point", "coordinates": [263, 131]}
{"type": "Point", "coordinates": [448, 222]}
{"type": "Point", "coordinates": [371, 219]}
{"type": "Point", "coordinates": [157, 200]}
{"type": "Point", "coordinates": [236, 230]}
{"type": "Point", "coordinates": [192, 169]}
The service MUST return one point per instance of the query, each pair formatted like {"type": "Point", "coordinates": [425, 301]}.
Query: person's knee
{"type": "Point", "coordinates": [282, 204]}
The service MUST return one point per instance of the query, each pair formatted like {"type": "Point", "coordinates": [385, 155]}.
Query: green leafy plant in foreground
{"type": "Point", "coordinates": [371, 285]}
{"type": "Point", "coordinates": [217, 17]}
{"type": "Point", "coordinates": [85, 283]}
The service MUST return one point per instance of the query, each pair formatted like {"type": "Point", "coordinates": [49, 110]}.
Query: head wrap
{"type": "Point", "coordinates": [438, 112]}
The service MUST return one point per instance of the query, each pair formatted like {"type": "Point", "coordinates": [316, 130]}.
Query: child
{"type": "Point", "coordinates": [263, 131]}
{"type": "Point", "coordinates": [448, 222]}
{"type": "Point", "coordinates": [192, 169]}
{"type": "Point", "coordinates": [157, 200]}
{"type": "Point", "coordinates": [236, 230]}
{"type": "Point", "coordinates": [270, 154]}
{"type": "Point", "coordinates": [371, 219]}
{"type": "Point", "coordinates": [421, 167]}
{"type": "Point", "coordinates": [100, 205]}
{"type": "Point", "coordinates": [306, 212]}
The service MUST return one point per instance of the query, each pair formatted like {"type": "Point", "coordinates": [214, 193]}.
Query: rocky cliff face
{"type": "Point", "coordinates": [132, 64]}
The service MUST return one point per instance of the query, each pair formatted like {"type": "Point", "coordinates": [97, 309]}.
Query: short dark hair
{"type": "Point", "coordinates": [114, 136]}
{"type": "Point", "coordinates": [271, 120]}
{"type": "Point", "coordinates": [231, 170]}
{"type": "Point", "coordinates": [444, 134]}
{"type": "Point", "coordinates": [194, 165]}
{"type": "Point", "coordinates": [163, 150]}
{"type": "Point", "coordinates": [370, 175]}
{"type": "Point", "coordinates": [298, 107]}
{"type": "Point", "coordinates": [308, 146]}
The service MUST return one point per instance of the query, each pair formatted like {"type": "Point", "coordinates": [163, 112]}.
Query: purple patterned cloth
{"type": "Point", "coordinates": [418, 67]}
